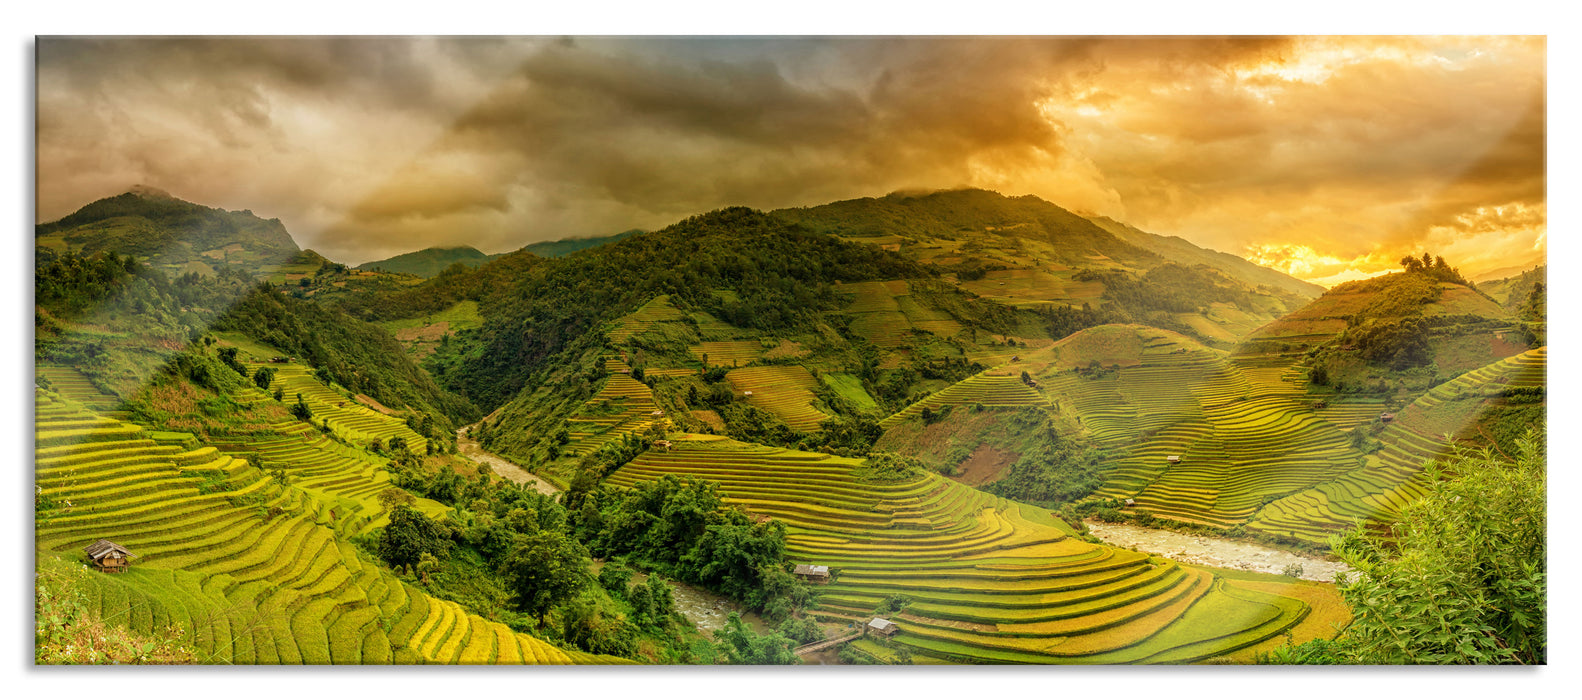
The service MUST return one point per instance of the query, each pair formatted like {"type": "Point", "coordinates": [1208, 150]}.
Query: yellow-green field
{"type": "Point", "coordinates": [990, 580]}
{"type": "Point", "coordinates": [253, 570]}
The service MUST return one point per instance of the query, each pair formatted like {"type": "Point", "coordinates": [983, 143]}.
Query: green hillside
{"type": "Point", "coordinates": [429, 261]}
{"type": "Point", "coordinates": [567, 246]}
{"type": "Point", "coordinates": [1027, 253]}
{"type": "Point", "coordinates": [170, 234]}
{"type": "Point", "coordinates": [255, 569]}
{"type": "Point", "coordinates": [986, 580]}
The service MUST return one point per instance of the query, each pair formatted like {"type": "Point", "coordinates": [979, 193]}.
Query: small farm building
{"type": "Point", "coordinates": [809, 572]}
{"type": "Point", "coordinates": [747, 393]}
{"type": "Point", "coordinates": [882, 627]}
{"type": "Point", "coordinates": [657, 413]}
{"type": "Point", "coordinates": [1386, 417]}
{"type": "Point", "coordinates": [1173, 459]}
{"type": "Point", "coordinates": [662, 443]}
{"type": "Point", "coordinates": [108, 556]}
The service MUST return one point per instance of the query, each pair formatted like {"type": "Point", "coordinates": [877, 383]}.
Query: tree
{"type": "Point", "coordinates": [1462, 579]}
{"type": "Point", "coordinates": [740, 645]}
{"type": "Point", "coordinates": [300, 409]}
{"type": "Point", "coordinates": [392, 497]}
{"type": "Point", "coordinates": [410, 534]}
{"type": "Point", "coordinates": [426, 564]}
{"type": "Point", "coordinates": [264, 377]}
{"type": "Point", "coordinates": [546, 569]}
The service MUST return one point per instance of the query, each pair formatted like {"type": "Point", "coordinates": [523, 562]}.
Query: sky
{"type": "Point", "coordinates": [1326, 157]}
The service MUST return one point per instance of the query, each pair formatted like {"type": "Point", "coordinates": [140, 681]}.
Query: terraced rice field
{"type": "Point", "coordinates": [249, 584]}
{"type": "Point", "coordinates": [727, 353]}
{"type": "Point", "coordinates": [657, 310]}
{"type": "Point", "coordinates": [348, 418]}
{"type": "Point", "coordinates": [70, 383]}
{"type": "Point", "coordinates": [990, 388]}
{"type": "Point", "coordinates": [991, 580]}
{"type": "Point", "coordinates": [1244, 433]}
{"type": "Point", "coordinates": [631, 411]}
{"type": "Point", "coordinates": [784, 390]}
{"type": "Point", "coordinates": [1390, 477]}
{"type": "Point", "coordinates": [885, 313]}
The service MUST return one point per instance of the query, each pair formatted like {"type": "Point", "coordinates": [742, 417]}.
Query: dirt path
{"type": "Point", "coordinates": [1210, 551]}
{"type": "Point", "coordinates": [470, 449]}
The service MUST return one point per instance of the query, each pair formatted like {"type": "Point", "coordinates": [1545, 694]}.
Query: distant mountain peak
{"type": "Point", "coordinates": [149, 192]}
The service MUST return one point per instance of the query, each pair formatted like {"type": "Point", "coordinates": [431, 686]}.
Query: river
{"type": "Point", "coordinates": [470, 449]}
{"type": "Point", "coordinates": [1211, 551]}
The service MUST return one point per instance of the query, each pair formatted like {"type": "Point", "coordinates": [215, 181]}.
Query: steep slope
{"type": "Point", "coordinates": [256, 572]}
{"type": "Point", "coordinates": [1028, 253]}
{"type": "Point", "coordinates": [170, 234]}
{"type": "Point", "coordinates": [1183, 252]}
{"type": "Point", "coordinates": [1394, 335]}
{"type": "Point", "coordinates": [429, 261]}
{"type": "Point", "coordinates": [989, 580]}
{"type": "Point", "coordinates": [567, 246]}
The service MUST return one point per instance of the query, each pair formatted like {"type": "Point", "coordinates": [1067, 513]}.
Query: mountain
{"type": "Point", "coordinates": [567, 246]}
{"type": "Point", "coordinates": [429, 261]}
{"type": "Point", "coordinates": [1028, 253]}
{"type": "Point", "coordinates": [169, 233]}
{"type": "Point", "coordinates": [1181, 251]}
{"type": "Point", "coordinates": [1395, 335]}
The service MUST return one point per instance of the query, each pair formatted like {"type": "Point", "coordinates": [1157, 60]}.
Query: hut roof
{"type": "Point", "coordinates": [811, 570]}
{"type": "Point", "coordinates": [104, 548]}
{"type": "Point", "coordinates": [881, 624]}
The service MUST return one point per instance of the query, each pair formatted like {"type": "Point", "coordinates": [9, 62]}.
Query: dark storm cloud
{"type": "Point", "coordinates": [370, 147]}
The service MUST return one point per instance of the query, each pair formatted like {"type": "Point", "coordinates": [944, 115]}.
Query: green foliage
{"type": "Point", "coordinates": [359, 356]}
{"type": "Point", "coordinates": [681, 527]}
{"type": "Point", "coordinates": [1051, 469]}
{"type": "Point", "coordinates": [740, 645]}
{"type": "Point", "coordinates": [264, 377]}
{"type": "Point", "coordinates": [615, 577]}
{"type": "Point", "coordinates": [1462, 577]}
{"type": "Point", "coordinates": [410, 535]}
{"type": "Point", "coordinates": [889, 467]}
{"type": "Point", "coordinates": [802, 630]}
{"type": "Point", "coordinates": [545, 569]}
{"type": "Point", "coordinates": [782, 277]}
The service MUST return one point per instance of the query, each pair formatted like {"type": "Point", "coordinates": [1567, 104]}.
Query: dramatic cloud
{"type": "Point", "coordinates": [1327, 157]}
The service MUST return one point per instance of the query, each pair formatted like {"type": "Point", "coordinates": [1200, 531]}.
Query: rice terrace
{"type": "Point", "coordinates": [635, 362]}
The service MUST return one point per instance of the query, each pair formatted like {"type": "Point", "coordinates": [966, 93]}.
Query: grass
{"type": "Point", "coordinates": [990, 580]}
{"type": "Point", "coordinates": [784, 390]}
{"type": "Point", "coordinates": [259, 573]}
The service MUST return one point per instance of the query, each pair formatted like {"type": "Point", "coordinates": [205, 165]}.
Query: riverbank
{"type": "Point", "coordinates": [470, 449]}
{"type": "Point", "coordinates": [1211, 551]}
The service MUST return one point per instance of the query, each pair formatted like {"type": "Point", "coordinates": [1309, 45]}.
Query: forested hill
{"type": "Point", "coordinates": [429, 261]}
{"type": "Point", "coordinates": [168, 233]}
{"type": "Point", "coordinates": [1183, 252]}
{"type": "Point", "coordinates": [951, 214]}
{"type": "Point", "coordinates": [979, 217]}
{"type": "Point", "coordinates": [567, 246]}
{"type": "Point", "coordinates": [352, 353]}
{"type": "Point", "coordinates": [746, 268]}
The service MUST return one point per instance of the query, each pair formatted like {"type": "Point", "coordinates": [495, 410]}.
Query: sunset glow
{"type": "Point", "coordinates": [1327, 157]}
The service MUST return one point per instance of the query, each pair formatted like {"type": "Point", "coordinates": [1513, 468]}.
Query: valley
{"type": "Point", "coordinates": [968, 408]}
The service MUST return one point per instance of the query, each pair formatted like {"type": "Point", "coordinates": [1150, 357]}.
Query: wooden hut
{"type": "Point", "coordinates": [656, 413]}
{"type": "Point", "coordinates": [108, 556]}
{"type": "Point", "coordinates": [1173, 459]}
{"type": "Point", "coordinates": [882, 627]}
{"type": "Point", "coordinates": [662, 443]}
{"type": "Point", "coordinates": [1386, 417]}
{"type": "Point", "coordinates": [811, 573]}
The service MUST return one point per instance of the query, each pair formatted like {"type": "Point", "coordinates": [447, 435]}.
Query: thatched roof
{"type": "Point", "coordinates": [104, 548]}
{"type": "Point", "coordinates": [881, 624]}
{"type": "Point", "coordinates": [811, 570]}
